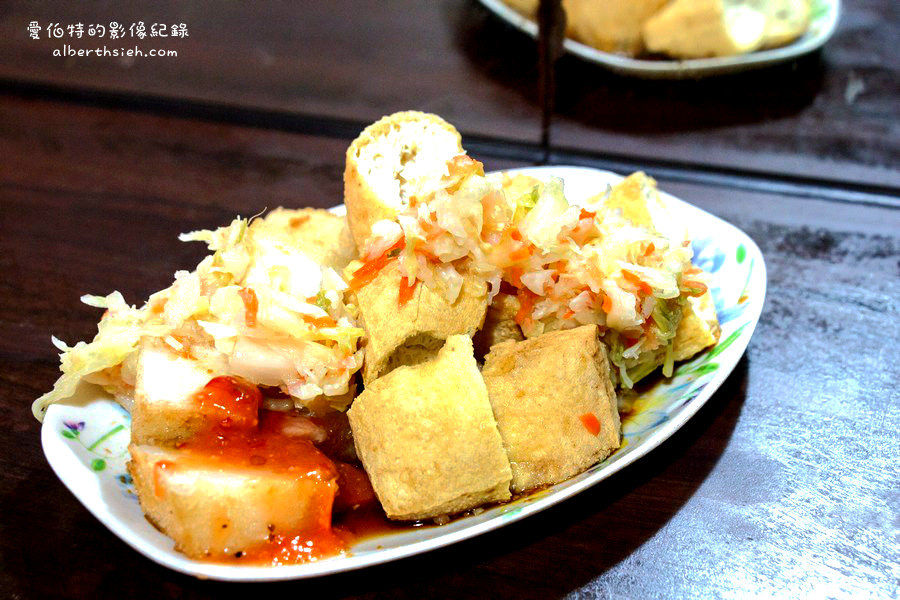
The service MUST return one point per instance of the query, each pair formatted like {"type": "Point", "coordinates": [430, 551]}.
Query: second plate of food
{"type": "Point", "coordinates": [823, 19]}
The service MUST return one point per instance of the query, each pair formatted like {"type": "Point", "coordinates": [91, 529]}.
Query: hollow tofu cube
{"type": "Point", "coordinates": [320, 234]}
{"type": "Point", "coordinates": [413, 333]}
{"type": "Point", "coordinates": [428, 439]}
{"type": "Point", "coordinates": [554, 404]}
{"type": "Point", "coordinates": [499, 324]}
{"type": "Point", "coordinates": [164, 410]}
{"type": "Point", "coordinates": [218, 511]}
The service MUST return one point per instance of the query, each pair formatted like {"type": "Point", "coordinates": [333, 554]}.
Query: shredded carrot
{"type": "Point", "coordinates": [515, 234]}
{"type": "Point", "coordinates": [526, 306]}
{"type": "Point", "coordinates": [251, 305]}
{"type": "Point", "coordinates": [650, 249]}
{"type": "Point", "coordinates": [364, 275]}
{"type": "Point", "coordinates": [591, 423]}
{"type": "Point", "coordinates": [696, 288]}
{"type": "Point", "coordinates": [641, 285]}
{"type": "Point", "coordinates": [369, 271]}
{"type": "Point", "coordinates": [692, 270]}
{"type": "Point", "coordinates": [463, 164]}
{"type": "Point", "coordinates": [520, 253]}
{"type": "Point", "coordinates": [607, 304]}
{"type": "Point", "coordinates": [515, 276]}
{"type": "Point", "coordinates": [325, 321]}
{"type": "Point", "coordinates": [568, 314]}
{"type": "Point", "coordinates": [157, 307]}
{"type": "Point", "coordinates": [492, 212]}
{"type": "Point", "coordinates": [586, 214]}
{"type": "Point", "coordinates": [406, 290]}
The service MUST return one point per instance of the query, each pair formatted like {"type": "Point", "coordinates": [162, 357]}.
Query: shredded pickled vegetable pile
{"type": "Point", "coordinates": [567, 265]}
{"type": "Point", "coordinates": [256, 308]}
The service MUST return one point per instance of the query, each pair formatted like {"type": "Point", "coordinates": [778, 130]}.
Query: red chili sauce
{"type": "Point", "coordinates": [240, 434]}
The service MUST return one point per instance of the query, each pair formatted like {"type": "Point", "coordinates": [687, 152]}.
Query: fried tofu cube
{"type": "Point", "coordinates": [215, 510]}
{"type": "Point", "coordinates": [164, 410]}
{"type": "Point", "coordinates": [699, 327]}
{"type": "Point", "coordinates": [428, 439]}
{"type": "Point", "coordinates": [705, 28]}
{"type": "Point", "coordinates": [412, 333]}
{"type": "Point", "coordinates": [609, 25]}
{"type": "Point", "coordinates": [554, 403]}
{"type": "Point", "coordinates": [320, 234]}
{"type": "Point", "coordinates": [392, 160]}
{"type": "Point", "coordinates": [499, 324]}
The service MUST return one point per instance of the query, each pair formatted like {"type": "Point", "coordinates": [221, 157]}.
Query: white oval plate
{"type": "Point", "coordinates": [824, 20]}
{"type": "Point", "coordinates": [86, 439]}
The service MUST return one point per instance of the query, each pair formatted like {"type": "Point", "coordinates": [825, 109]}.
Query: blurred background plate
{"type": "Point", "coordinates": [825, 14]}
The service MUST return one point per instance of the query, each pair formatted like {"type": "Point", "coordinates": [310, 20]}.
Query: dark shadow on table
{"type": "Point", "coordinates": [598, 98]}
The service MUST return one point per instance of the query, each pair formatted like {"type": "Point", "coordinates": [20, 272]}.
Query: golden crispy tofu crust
{"type": "Point", "coordinates": [414, 332]}
{"type": "Point", "coordinates": [541, 389]}
{"type": "Point", "coordinates": [699, 327]}
{"type": "Point", "coordinates": [786, 20]}
{"type": "Point", "coordinates": [704, 28]}
{"type": "Point", "coordinates": [427, 437]}
{"type": "Point", "coordinates": [321, 235]}
{"type": "Point", "coordinates": [610, 25]}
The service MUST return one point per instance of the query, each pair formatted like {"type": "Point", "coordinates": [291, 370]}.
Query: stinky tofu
{"type": "Point", "coordinates": [412, 333]}
{"type": "Point", "coordinates": [428, 439]}
{"type": "Point", "coordinates": [320, 234]}
{"type": "Point", "coordinates": [216, 510]}
{"type": "Point", "coordinates": [164, 410]}
{"type": "Point", "coordinates": [499, 324]}
{"type": "Point", "coordinates": [698, 328]}
{"type": "Point", "coordinates": [554, 404]}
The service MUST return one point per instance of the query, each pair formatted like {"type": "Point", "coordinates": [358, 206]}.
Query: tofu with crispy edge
{"type": "Point", "coordinates": [164, 410]}
{"type": "Point", "coordinates": [428, 439]}
{"type": "Point", "coordinates": [413, 333]}
{"type": "Point", "coordinates": [499, 324]}
{"type": "Point", "coordinates": [211, 510]}
{"type": "Point", "coordinates": [699, 327]}
{"type": "Point", "coordinates": [786, 20]}
{"type": "Point", "coordinates": [609, 25]}
{"type": "Point", "coordinates": [320, 234]}
{"type": "Point", "coordinates": [554, 403]}
{"type": "Point", "coordinates": [390, 161]}
{"type": "Point", "coordinates": [705, 28]}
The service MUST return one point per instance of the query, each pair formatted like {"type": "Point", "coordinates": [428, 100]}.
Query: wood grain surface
{"type": "Point", "coordinates": [785, 484]}
{"type": "Point", "coordinates": [832, 115]}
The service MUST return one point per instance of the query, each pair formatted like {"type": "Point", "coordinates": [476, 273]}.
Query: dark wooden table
{"type": "Point", "coordinates": [787, 483]}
